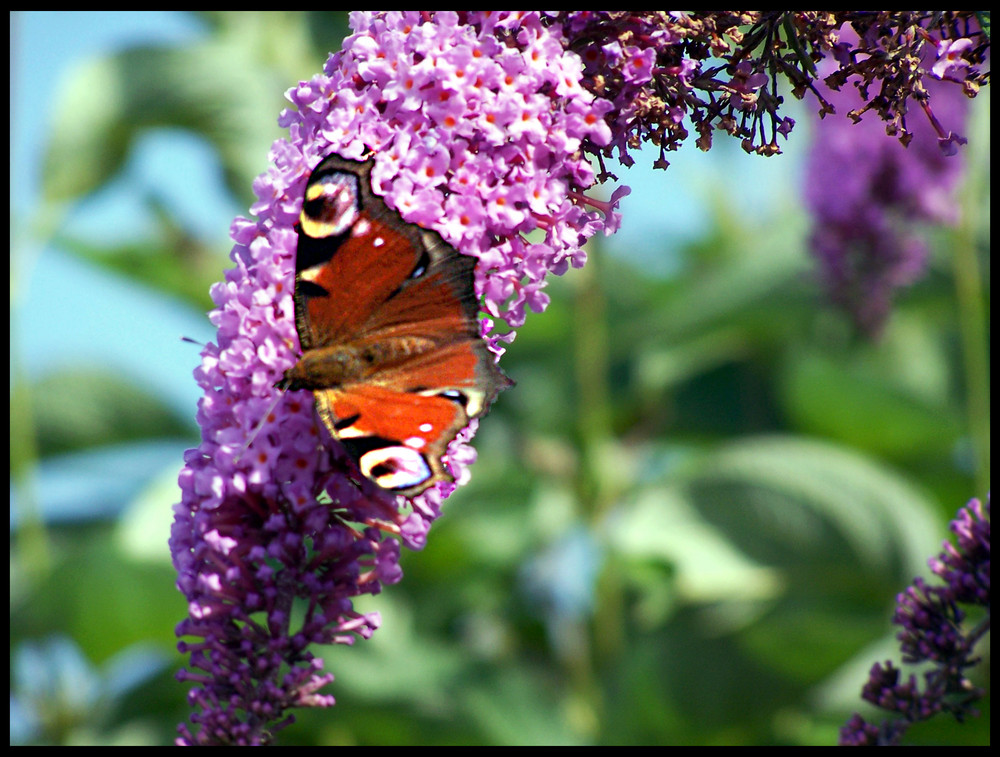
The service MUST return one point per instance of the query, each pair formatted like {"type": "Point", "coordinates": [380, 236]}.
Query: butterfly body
{"type": "Point", "coordinates": [386, 316]}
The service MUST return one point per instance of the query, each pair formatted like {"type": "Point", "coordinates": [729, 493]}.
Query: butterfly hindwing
{"type": "Point", "coordinates": [396, 438]}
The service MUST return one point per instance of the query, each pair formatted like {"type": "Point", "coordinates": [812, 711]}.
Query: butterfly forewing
{"type": "Point", "coordinates": [345, 292]}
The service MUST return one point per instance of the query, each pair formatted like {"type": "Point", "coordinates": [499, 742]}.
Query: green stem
{"type": "Point", "coordinates": [592, 370]}
{"type": "Point", "coordinates": [975, 351]}
{"type": "Point", "coordinates": [970, 295]}
{"type": "Point", "coordinates": [595, 490]}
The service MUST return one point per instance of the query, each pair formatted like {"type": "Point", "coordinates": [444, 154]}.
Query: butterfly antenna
{"type": "Point", "coordinates": [260, 425]}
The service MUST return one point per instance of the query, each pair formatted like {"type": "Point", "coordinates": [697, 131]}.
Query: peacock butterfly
{"type": "Point", "coordinates": [387, 320]}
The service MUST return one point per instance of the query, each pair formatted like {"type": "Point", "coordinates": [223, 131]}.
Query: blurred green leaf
{"type": "Point", "coordinates": [803, 499]}
{"type": "Point", "coordinates": [217, 88]}
{"type": "Point", "coordinates": [891, 399]}
{"type": "Point", "coordinates": [174, 262]}
{"type": "Point", "coordinates": [226, 87]}
{"type": "Point", "coordinates": [845, 534]}
{"type": "Point", "coordinates": [516, 706]}
{"type": "Point", "coordinates": [785, 554]}
{"type": "Point", "coordinates": [79, 409]}
{"type": "Point", "coordinates": [99, 591]}
{"type": "Point", "coordinates": [144, 529]}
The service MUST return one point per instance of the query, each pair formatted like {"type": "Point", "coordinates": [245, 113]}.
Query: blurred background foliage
{"type": "Point", "coordinates": [688, 521]}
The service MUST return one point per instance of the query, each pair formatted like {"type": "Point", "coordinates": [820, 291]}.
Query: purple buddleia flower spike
{"type": "Point", "coordinates": [934, 632]}
{"type": "Point", "coordinates": [476, 130]}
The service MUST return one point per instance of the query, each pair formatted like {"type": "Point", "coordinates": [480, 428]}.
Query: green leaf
{"type": "Point", "coordinates": [218, 89]}
{"type": "Point", "coordinates": [890, 399]}
{"type": "Point", "coordinates": [814, 498]}
{"type": "Point", "coordinates": [797, 545]}
{"type": "Point", "coordinates": [171, 261]}
{"type": "Point", "coordinates": [746, 283]}
{"type": "Point", "coordinates": [82, 408]}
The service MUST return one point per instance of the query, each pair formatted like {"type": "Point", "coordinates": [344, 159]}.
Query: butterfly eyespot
{"type": "Point", "coordinates": [395, 467]}
{"type": "Point", "coordinates": [313, 208]}
{"type": "Point", "coordinates": [330, 206]}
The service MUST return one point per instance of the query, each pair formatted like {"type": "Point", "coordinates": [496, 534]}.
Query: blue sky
{"type": "Point", "coordinates": [66, 312]}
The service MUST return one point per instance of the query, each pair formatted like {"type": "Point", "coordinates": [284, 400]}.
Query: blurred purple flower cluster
{"type": "Point", "coordinates": [871, 197]}
{"type": "Point", "coordinates": [933, 631]}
